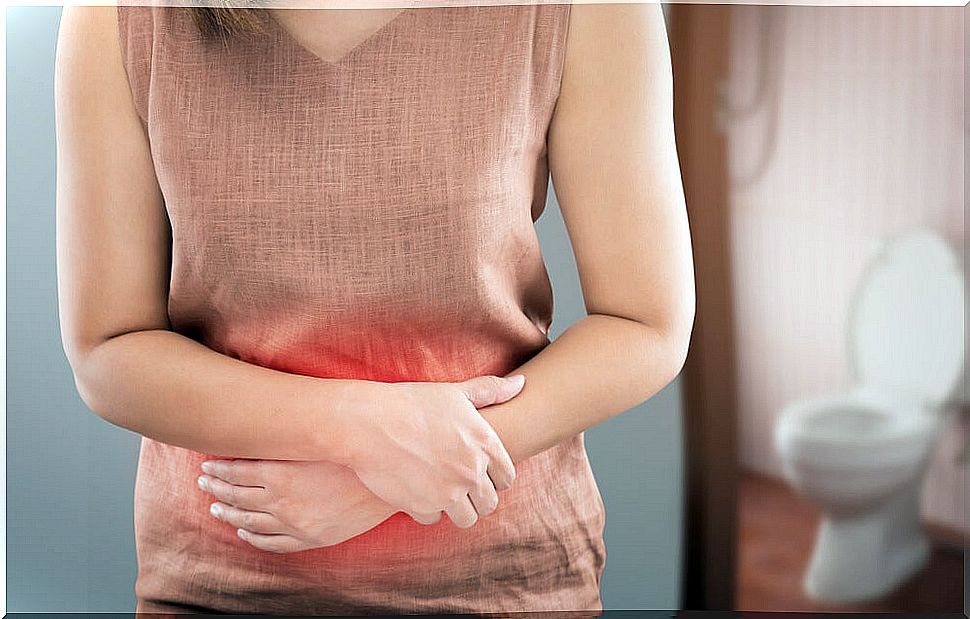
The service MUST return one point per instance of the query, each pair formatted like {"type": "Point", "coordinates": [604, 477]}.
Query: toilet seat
{"type": "Point", "coordinates": [906, 338]}
{"type": "Point", "coordinates": [907, 326]}
{"type": "Point", "coordinates": [849, 431]}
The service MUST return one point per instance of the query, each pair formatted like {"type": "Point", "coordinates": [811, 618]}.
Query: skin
{"type": "Point", "coordinates": [317, 468]}
{"type": "Point", "coordinates": [286, 506]}
{"type": "Point", "coordinates": [331, 34]}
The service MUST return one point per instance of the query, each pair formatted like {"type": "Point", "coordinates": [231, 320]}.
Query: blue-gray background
{"type": "Point", "coordinates": [70, 474]}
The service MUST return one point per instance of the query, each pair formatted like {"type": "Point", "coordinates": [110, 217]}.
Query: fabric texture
{"type": "Point", "coordinates": [368, 218]}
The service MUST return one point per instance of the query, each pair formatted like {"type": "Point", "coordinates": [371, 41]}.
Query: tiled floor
{"type": "Point", "coordinates": [777, 532]}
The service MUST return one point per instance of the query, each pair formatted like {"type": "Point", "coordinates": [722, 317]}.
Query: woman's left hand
{"type": "Point", "coordinates": [287, 506]}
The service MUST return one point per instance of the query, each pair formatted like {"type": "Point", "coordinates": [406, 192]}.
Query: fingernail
{"type": "Point", "coordinates": [202, 484]}
{"type": "Point", "coordinates": [215, 510]}
{"type": "Point", "coordinates": [517, 378]}
{"type": "Point", "coordinates": [241, 533]}
{"type": "Point", "coordinates": [207, 467]}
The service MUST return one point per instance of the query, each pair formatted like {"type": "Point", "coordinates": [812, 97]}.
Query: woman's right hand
{"type": "Point", "coordinates": [425, 448]}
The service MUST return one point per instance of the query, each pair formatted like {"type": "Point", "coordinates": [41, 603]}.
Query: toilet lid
{"type": "Point", "coordinates": [907, 330]}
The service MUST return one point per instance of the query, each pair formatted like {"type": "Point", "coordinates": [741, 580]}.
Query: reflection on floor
{"type": "Point", "coordinates": [777, 531]}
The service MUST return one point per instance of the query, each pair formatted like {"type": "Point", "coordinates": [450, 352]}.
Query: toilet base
{"type": "Point", "coordinates": [862, 557]}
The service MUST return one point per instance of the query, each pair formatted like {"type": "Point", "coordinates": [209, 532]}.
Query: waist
{"type": "Point", "coordinates": [559, 480]}
{"type": "Point", "coordinates": [548, 528]}
{"type": "Point", "coordinates": [377, 352]}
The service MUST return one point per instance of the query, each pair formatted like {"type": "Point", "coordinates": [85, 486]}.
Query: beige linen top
{"type": "Point", "coordinates": [368, 218]}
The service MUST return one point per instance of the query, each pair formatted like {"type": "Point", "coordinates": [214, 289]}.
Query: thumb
{"type": "Point", "coordinates": [425, 519]}
{"type": "Point", "coordinates": [487, 390]}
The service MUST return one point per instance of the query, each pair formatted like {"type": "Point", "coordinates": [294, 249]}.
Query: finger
{"type": "Point", "coordinates": [255, 522]}
{"type": "Point", "coordinates": [501, 469]}
{"type": "Point", "coordinates": [237, 472]}
{"type": "Point", "coordinates": [241, 496]}
{"type": "Point", "coordinates": [462, 513]}
{"type": "Point", "coordinates": [272, 543]}
{"type": "Point", "coordinates": [426, 518]}
{"type": "Point", "coordinates": [484, 498]}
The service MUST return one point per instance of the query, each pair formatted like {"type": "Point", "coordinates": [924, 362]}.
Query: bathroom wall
{"type": "Point", "coordinates": [70, 474]}
{"type": "Point", "coordinates": [845, 125]}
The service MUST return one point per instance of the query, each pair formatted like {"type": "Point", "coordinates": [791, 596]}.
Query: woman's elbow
{"type": "Point", "coordinates": [675, 336]}
{"type": "Point", "coordinates": [88, 394]}
{"type": "Point", "coordinates": [90, 366]}
{"type": "Point", "coordinates": [679, 338]}
{"type": "Point", "coordinates": [79, 357]}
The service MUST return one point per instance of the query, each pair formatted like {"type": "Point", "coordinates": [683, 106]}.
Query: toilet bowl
{"type": "Point", "coordinates": [860, 456]}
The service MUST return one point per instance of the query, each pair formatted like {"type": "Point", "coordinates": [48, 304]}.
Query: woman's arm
{"type": "Point", "coordinates": [615, 170]}
{"type": "Point", "coordinates": [422, 447]}
{"type": "Point", "coordinates": [113, 265]}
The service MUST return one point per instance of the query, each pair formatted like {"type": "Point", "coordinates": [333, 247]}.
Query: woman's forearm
{"type": "Point", "coordinates": [170, 388]}
{"type": "Point", "coordinates": [173, 389]}
{"type": "Point", "coordinates": [599, 367]}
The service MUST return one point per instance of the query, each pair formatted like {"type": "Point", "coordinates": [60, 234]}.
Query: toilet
{"type": "Point", "coordinates": [860, 456]}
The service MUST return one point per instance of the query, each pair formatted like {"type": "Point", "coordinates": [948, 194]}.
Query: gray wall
{"type": "Point", "coordinates": [70, 474]}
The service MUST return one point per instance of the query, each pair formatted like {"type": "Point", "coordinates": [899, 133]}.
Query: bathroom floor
{"type": "Point", "coordinates": [777, 531]}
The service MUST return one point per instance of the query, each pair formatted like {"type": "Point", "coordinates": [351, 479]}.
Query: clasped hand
{"type": "Point", "coordinates": [424, 449]}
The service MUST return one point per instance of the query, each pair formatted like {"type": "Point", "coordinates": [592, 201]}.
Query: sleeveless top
{"type": "Point", "coordinates": [367, 218]}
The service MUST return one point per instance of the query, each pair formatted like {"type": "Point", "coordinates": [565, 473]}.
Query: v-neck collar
{"type": "Point", "coordinates": [286, 38]}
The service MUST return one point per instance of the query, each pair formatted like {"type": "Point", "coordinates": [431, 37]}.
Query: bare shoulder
{"type": "Point", "coordinates": [611, 44]}
{"type": "Point", "coordinates": [91, 87]}
{"type": "Point", "coordinates": [88, 44]}
{"type": "Point", "coordinates": [88, 25]}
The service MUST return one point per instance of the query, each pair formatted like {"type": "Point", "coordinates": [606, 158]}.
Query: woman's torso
{"type": "Point", "coordinates": [368, 218]}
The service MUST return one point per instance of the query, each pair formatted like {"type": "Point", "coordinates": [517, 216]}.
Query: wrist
{"type": "Point", "coordinates": [339, 435]}
{"type": "Point", "coordinates": [498, 416]}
